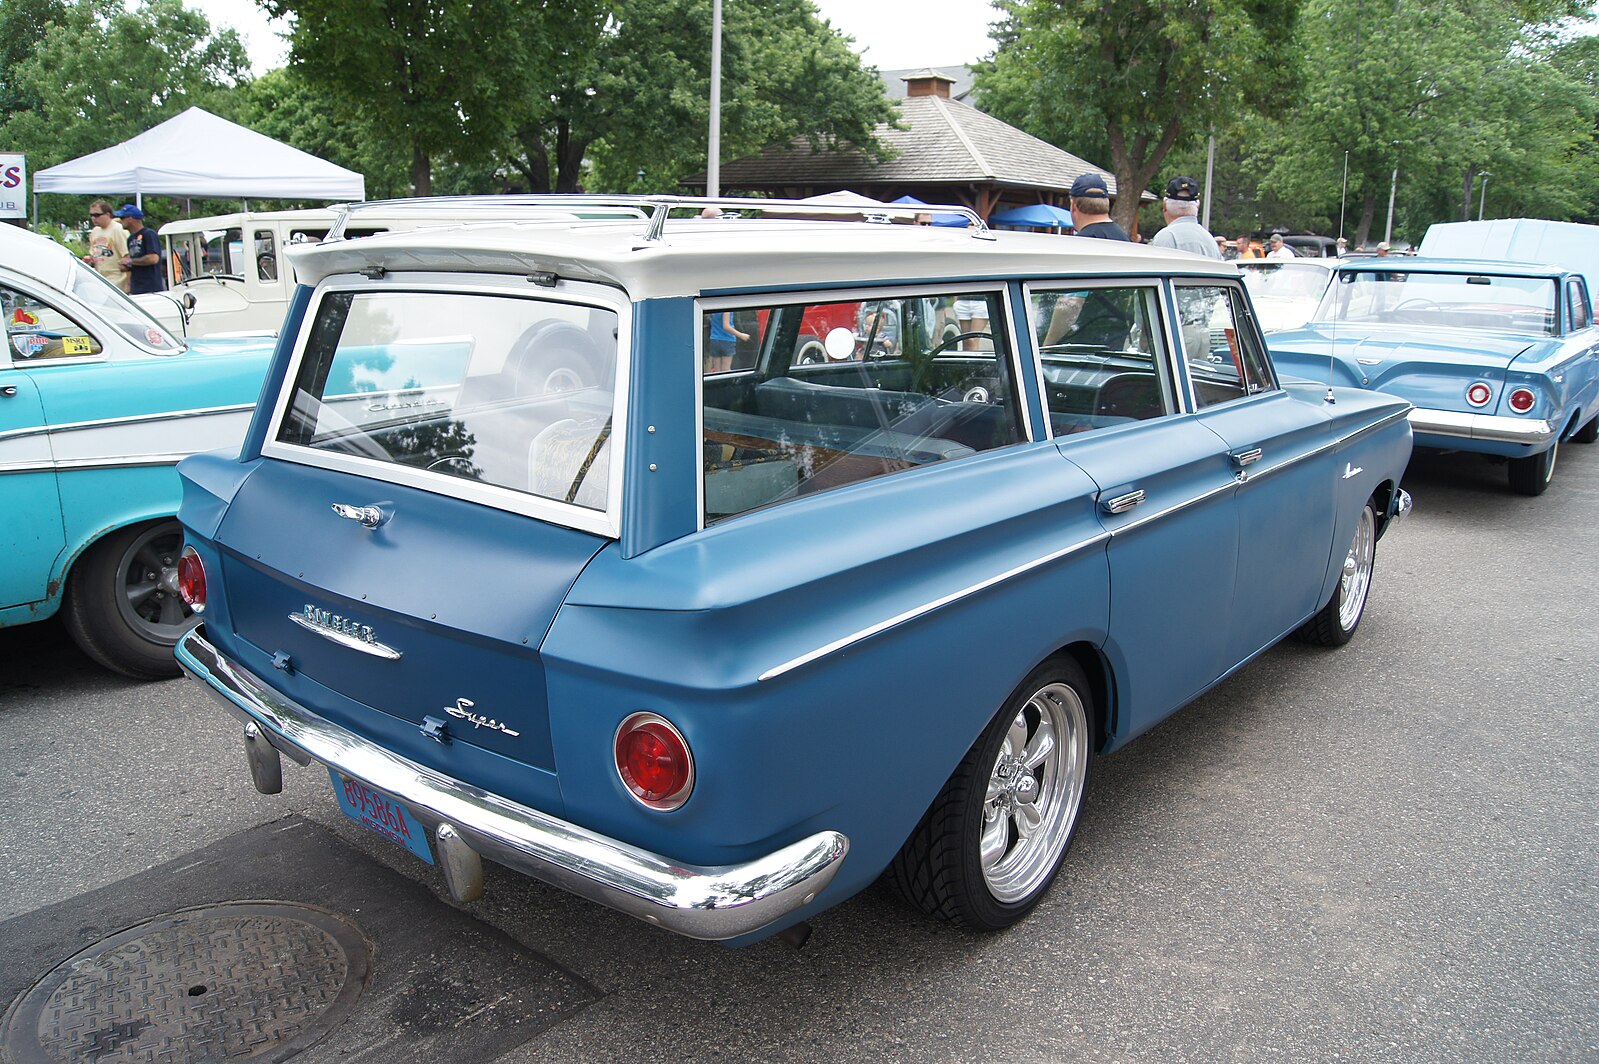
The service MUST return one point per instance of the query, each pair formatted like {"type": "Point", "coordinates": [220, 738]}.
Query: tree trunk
{"type": "Point", "coordinates": [1465, 201]}
{"type": "Point", "coordinates": [1136, 165]}
{"type": "Point", "coordinates": [421, 173]}
{"type": "Point", "coordinates": [1368, 212]}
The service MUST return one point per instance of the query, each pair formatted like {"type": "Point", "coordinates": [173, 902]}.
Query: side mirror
{"type": "Point", "coordinates": [189, 300]}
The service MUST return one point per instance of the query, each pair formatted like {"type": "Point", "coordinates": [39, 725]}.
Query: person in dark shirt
{"type": "Point", "coordinates": [1091, 209]}
{"type": "Point", "coordinates": [143, 261]}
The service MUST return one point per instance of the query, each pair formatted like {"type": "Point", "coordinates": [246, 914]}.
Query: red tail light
{"type": "Point", "coordinates": [654, 761]}
{"type": "Point", "coordinates": [1522, 400]}
{"type": "Point", "coordinates": [191, 580]}
{"type": "Point", "coordinates": [1479, 394]}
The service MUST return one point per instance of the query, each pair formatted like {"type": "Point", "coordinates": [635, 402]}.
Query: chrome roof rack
{"type": "Point", "coordinates": [655, 209]}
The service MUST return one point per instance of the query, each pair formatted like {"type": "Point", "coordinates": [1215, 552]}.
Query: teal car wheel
{"type": "Point", "coordinates": [1335, 624]}
{"type": "Point", "coordinates": [122, 604]}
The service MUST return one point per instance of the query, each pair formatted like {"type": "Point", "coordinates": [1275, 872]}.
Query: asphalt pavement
{"type": "Point", "coordinates": [1381, 852]}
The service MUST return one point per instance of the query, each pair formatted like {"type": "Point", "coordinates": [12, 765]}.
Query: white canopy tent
{"type": "Point", "coordinates": [198, 154]}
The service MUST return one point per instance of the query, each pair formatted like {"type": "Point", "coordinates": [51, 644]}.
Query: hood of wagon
{"type": "Point", "coordinates": [428, 624]}
{"type": "Point", "coordinates": [1431, 367]}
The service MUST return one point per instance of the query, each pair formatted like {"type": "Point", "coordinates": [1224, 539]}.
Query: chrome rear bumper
{"type": "Point", "coordinates": [1494, 427]}
{"type": "Point", "coordinates": [464, 822]}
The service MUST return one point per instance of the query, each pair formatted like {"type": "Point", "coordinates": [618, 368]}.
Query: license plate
{"type": "Point", "coordinates": [382, 814]}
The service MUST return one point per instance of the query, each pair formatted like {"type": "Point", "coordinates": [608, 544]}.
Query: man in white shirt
{"type": "Point", "coordinates": [1183, 231]}
{"type": "Point", "coordinates": [1278, 249]}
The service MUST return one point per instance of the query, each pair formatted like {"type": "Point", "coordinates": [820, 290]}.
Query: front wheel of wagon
{"type": "Point", "coordinates": [122, 604]}
{"type": "Point", "coordinates": [989, 847]}
{"type": "Point", "coordinates": [1335, 624]}
{"type": "Point", "coordinates": [1531, 475]}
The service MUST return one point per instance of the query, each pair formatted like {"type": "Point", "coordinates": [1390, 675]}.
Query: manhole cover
{"type": "Point", "coordinates": [256, 981]}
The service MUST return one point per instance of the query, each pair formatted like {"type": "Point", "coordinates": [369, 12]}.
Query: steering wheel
{"type": "Point", "coordinates": [1418, 303]}
{"type": "Point", "coordinates": [950, 341]}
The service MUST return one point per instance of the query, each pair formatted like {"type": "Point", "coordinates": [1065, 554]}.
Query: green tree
{"type": "Point", "coordinates": [1441, 91]}
{"type": "Point", "coordinates": [628, 88]}
{"type": "Point", "coordinates": [103, 74]}
{"type": "Point", "coordinates": [283, 105]}
{"type": "Point", "coordinates": [22, 27]}
{"type": "Point", "coordinates": [1132, 79]}
{"type": "Point", "coordinates": [432, 77]}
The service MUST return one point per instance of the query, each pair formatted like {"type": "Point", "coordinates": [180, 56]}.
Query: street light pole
{"type": "Point", "coordinates": [1210, 174]}
{"type": "Point", "coordinates": [713, 171]}
{"type": "Point", "coordinates": [1483, 202]}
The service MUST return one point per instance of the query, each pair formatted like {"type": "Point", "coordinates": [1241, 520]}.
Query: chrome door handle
{"type": "Point", "coordinates": [9, 390]}
{"type": "Point", "coordinates": [369, 516]}
{"type": "Point", "coordinates": [1122, 503]}
{"type": "Point", "coordinates": [1249, 457]}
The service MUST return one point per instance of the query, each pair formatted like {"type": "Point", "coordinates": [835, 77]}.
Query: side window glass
{"type": "Point", "coordinates": [1581, 313]}
{"type": "Point", "coordinates": [1257, 363]}
{"type": "Point", "coordinates": [1102, 357]}
{"type": "Point", "coordinates": [1217, 348]}
{"type": "Point", "coordinates": [38, 332]}
{"type": "Point", "coordinates": [842, 391]}
{"type": "Point", "coordinates": [266, 256]}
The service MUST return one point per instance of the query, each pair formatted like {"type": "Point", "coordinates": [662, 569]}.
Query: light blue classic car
{"type": "Point", "coordinates": [545, 564]}
{"type": "Point", "coordinates": [98, 402]}
{"type": "Point", "coordinates": [1499, 358]}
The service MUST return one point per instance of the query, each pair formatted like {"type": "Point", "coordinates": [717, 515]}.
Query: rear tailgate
{"type": "Point", "coordinates": [438, 612]}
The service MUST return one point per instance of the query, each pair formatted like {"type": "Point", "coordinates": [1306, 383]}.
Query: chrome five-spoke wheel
{"type": "Point", "coordinates": [989, 846]}
{"type": "Point", "coordinates": [1034, 789]}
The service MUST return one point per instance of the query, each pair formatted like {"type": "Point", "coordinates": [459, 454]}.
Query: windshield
{"type": "Point", "coordinates": [1452, 300]}
{"type": "Point", "coordinates": [1285, 280]}
{"type": "Point", "coordinates": [120, 312]}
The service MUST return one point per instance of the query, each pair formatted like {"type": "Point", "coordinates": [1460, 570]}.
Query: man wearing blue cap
{"type": "Point", "coordinates": [143, 261]}
{"type": "Point", "coordinates": [1183, 231]}
{"type": "Point", "coordinates": [1091, 209]}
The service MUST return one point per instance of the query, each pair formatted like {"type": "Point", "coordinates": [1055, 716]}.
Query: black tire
{"type": "Point", "coordinates": [1588, 433]}
{"type": "Point", "coordinates": [811, 353]}
{"type": "Point", "coordinates": [1335, 623]}
{"type": "Point", "coordinates": [941, 868]}
{"type": "Point", "coordinates": [1531, 475]}
{"type": "Point", "coordinates": [122, 606]}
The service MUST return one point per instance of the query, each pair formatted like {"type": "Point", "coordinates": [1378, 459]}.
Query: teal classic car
{"type": "Point", "coordinates": [98, 402]}
{"type": "Point", "coordinates": [1499, 358]}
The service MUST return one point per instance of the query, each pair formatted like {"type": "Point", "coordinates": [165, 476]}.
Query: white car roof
{"type": "Point", "coordinates": [695, 257]}
{"type": "Point", "coordinates": [37, 257]}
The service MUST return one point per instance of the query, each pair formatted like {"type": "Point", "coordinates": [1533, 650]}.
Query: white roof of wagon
{"type": "Point", "coordinates": [697, 257]}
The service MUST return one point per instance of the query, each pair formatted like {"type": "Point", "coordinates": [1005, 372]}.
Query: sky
{"type": "Point", "coordinates": [889, 34]}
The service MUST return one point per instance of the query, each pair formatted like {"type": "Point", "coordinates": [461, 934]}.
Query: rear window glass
{"type": "Point", "coordinates": [805, 397]}
{"type": "Point", "coordinates": [512, 392]}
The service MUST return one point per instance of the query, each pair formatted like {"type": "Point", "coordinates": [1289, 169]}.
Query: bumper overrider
{"type": "Point", "coordinates": [1493, 427]}
{"type": "Point", "coordinates": [465, 823]}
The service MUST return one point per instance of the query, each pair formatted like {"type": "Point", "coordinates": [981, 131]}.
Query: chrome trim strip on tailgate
{"type": "Point", "coordinates": [1481, 426]}
{"type": "Point", "coordinates": [719, 902]}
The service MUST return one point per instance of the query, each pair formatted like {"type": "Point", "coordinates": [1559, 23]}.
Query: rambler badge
{"type": "Point", "coordinates": [343, 631]}
{"type": "Point", "coordinates": [463, 710]}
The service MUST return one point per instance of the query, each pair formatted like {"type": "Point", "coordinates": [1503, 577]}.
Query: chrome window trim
{"type": "Point", "coordinates": [577, 293]}
{"type": "Point", "coordinates": [1170, 393]}
{"type": "Point", "coordinates": [132, 419]}
{"type": "Point", "coordinates": [789, 297]}
{"type": "Point", "coordinates": [83, 313]}
{"type": "Point", "coordinates": [928, 607]}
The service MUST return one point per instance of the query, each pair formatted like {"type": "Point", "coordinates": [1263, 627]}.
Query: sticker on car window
{"type": "Point", "coordinates": [24, 317]}
{"type": "Point", "coordinates": [27, 345]}
{"type": "Point", "coordinates": [77, 345]}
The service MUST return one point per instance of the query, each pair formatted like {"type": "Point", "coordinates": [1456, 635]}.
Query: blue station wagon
{"type": "Point", "coordinates": [547, 545]}
{"type": "Point", "coordinates": [1499, 358]}
{"type": "Point", "coordinates": [98, 403]}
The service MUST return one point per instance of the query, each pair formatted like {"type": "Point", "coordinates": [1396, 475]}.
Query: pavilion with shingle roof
{"type": "Point", "coordinates": [947, 152]}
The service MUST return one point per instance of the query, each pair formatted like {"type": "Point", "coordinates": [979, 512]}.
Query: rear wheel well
{"type": "Point", "coordinates": [1382, 501]}
{"type": "Point", "coordinates": [1101, 685]}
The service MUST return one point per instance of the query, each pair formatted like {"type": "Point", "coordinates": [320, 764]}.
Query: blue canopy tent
{"type": "Point", "coordinates": [954, 221]}
{"type": "Point", "coordinates": [1037, 216]}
